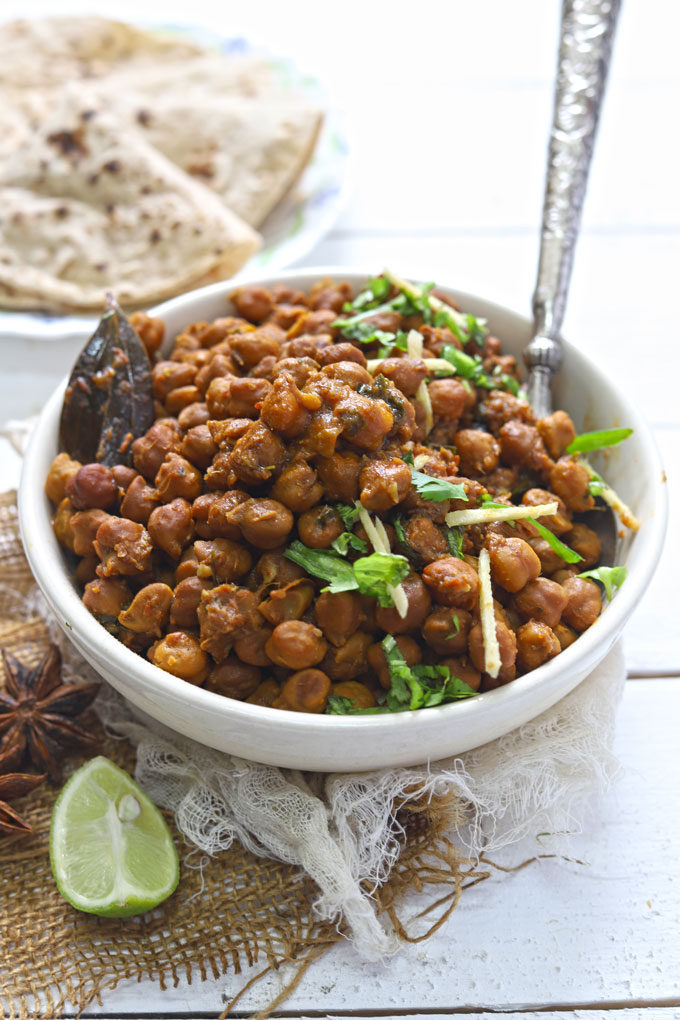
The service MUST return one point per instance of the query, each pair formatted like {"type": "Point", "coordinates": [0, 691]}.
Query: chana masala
{"type": "Point", "coordinates": [340, 502]}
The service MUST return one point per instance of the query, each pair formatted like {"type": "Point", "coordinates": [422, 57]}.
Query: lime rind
{"type": "Point", "coordinates": [111, 851]}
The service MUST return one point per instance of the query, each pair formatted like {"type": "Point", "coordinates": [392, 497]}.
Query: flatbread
{"type": "Point", "coordinates": [43, 52]}
{"type": "Point", "coordinates": [250, 152]}
{"type": "Point", "coordinates": [88, 205]}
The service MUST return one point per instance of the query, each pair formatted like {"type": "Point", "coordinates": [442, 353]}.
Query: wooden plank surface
{"type": "Point", "coordinates": [555, 935]}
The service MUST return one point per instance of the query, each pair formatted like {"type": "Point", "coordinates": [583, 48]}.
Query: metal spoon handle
{"type": "Point", "coordinates": [586, 39]}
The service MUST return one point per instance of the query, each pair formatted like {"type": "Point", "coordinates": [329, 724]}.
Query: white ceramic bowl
{"type": "Point", "coordinates": [339, 743]}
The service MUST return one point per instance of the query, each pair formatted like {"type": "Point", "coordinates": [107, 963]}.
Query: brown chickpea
{"type": "Point", "coordinates": [297, 487]}
{"type": "Point", "coordinates": [557, 432]}
{"type": "Point", "coordinates": [294, 643]}
{"type": "Point", "coordinates": [513, 561]}
{"type": "Point", "coordinates": [448, 398]}
{"type": "Point", "coordinates": [149, 610]}
{"type": "Point", "coordinates": [584, 603]}
{"type": "Point", "coordinates": [123, 547]}
{"type": "Point", "coordinates": [586, 543]}
{"type": "Point", "coordinates": [198, 446]}
{"type": "Point", "coordinates": [185, 602]}
{"type": "Point", "coordinates": [338, 614]}
{"type": "Point", "coordinates": [409, 648]}
{"type": "Point", "coordinates": [171, 527]}
{"type": "Point", "coordinates": [275, 569]}
{"type": "Point", "coordinates": [289, 603]}
{"type": "Point", "coordinates": [536, 643]}
{"type": "Point", "coordinates": [178, 479]}
{"type": "Point", "coordinates": [84, 525]}
{"type": "Point", "coordinates": [266, 694]}
{"type": "Point", "coordinates": [105, 597]}
{"type": "Point", "coordinates": [171, 375]}
{"type": "Point", "coordinates": [227, 560]}
{"type": "Point", "coordinates": [93, 486]}
{"type": "Point", "coordinates": [306, 691]}
{"type": "Point", "coordinates": [356, 692]}
{"type": "Point", "coordinates": [183, 396]}
{"type": "Point", "coordinates": [348, 660]}
{"type": "Point", "coordinates": [446, 631]}
{"type": "Point", "coordinates": [339, 476]}
{"type": "Point", "coordinates": [461, 667]}
{"type": "Point", "coordinates": [180, 653]}
{"type": "Point", "coordinates": [419, 602]}
{"type": "Point", "coordinates": [570, 480]}
{"type": "Point", "coordinates": [453, 582]}
{"type": "Point", "coordinates": [558, 523]}
{"type": "Point", "coordinates": [149, 329]}
{"type": "Point", "coordinates": [251, 647]}
{"type": "Point", "coordinates": [478, 451]}
{"type": "Point", "coordinates": [192, 415]}
{"type": "Point", "coordinates": [265, 523]}
{"type": "Point", "coordinates": [140, 501]}
{"type": "Point", "coordinates": [233, 679]}
{"type": "Point", "coordinates": [565, 635]}
{"type": "Point", "coordinates": [187, 566]}
{"type": "Point", "coordinates": [543, 600]}
{"type": "Point", "coordinates": [61, 470]}
{"type": "Point", "coordinates": [318, 528]}
{"type": "Point", "coordinates": [86, 570]}
{"type": "Point", "coordinates": [384, 483]}
{"type": "Point", "coordinates": [150, 450]}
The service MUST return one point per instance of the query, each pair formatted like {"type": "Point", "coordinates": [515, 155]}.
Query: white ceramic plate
{"type": "Point", "coordinates": [351, 743]}
{"type": "Point", "coordinates": [291, 230]}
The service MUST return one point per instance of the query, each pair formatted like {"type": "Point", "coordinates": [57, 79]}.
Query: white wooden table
{"type": "Point", "coordinates": [448, 106]}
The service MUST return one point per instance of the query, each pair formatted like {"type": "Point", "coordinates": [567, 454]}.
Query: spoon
{"type": "Point", "coordinates": [586, 36]}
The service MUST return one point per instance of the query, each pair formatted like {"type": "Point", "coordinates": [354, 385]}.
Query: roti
{"type": "Point", "coordinates": [90, 206]}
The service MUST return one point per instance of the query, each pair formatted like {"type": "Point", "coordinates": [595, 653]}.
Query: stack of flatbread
{"type": "Point", "coordinates": [135, 162]}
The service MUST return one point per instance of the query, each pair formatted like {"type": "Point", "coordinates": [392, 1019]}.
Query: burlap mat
{"type": "Point", "coordinates": [230, 911]}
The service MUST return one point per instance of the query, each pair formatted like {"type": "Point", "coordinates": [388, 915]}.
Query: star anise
{"type": "Point", "coordinates": [14, 785]}
{"type": "Point", "coordinates": [37, 713]}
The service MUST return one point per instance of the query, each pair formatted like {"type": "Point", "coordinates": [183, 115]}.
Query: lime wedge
{"type": "Point", "coordinates": [110, 849]}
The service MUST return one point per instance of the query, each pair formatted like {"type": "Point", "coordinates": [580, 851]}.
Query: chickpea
{"type": "Point", "coordinates": [251, 647]}
{"type": "Point", "coordinates": [565, 635]}
{"type": "Point", "coordinates": [253, 303]}
{"type": "Point", "coordinates": [289, 603]}
{"type": "Point", "coordinates": [233, 679]}
{"type": "Point", "coordinates": [356, 692]}
{"type": "Point", "coordinates": [61, 470]}
{"type": "Point", "coordinates": [84, 525]}
{"type": "Point", "coordinates": [584, 605]}
{"type": "Point", "coordinates": [227, 560]}
{"type": "Point", "coordinates": [171, 527]}
{"type": "Point", "coordinates": [318, 528]}
{"type": "Point", "coordinates": [150, 450]}
{"type": "Point", "coordinates": [139, 501]}
{"type": "Point", "coordinates": [419, 602]}
{"type": "Point", "coordinates": [306, 691]}
{"type": "Point", "coordinates": [123, 547]}
{"type": "Point", "coordinates": [149, 610]}
{"type": "Point", "coordinates": [265, 523]}
{"type": "Point", "coordinates": [409, 648]}
{"type": "Point", "coordinates": [266, 694]}
{"type": "Point", "coordinates": [198, 446]}
{"type": "Point", "coordinates": [93, 486]}
{"type": "Point", "coordinates": [185, 602]}
{"type": "Point", "coordinates": [384, 483]}
{"type": "Point", "coordinates": [169, 376]}
{"type": "Point", "coordinates": [275, 569]}
{"type": "Point", "coordinates": [86, 570]}
{"type": "Point", "coordinates": [453, 582]}
{"type": "Point", "coordinates": [461, 667]}
{"type": "Point", "coordinates": [339, 476]}
{"type": "Point", "coordinates": [542, 599]}
{"type": "Point", "coordinates": [586, 543]}
{"type": "Point", "coordinates": [558, 523]}
{"type": "Point", "coordinates": [338, 614]}
{"type": "Point", "coordinates": [178, 479]}
{"type": "Point", "coordinates": [448, 398]}
{"type": "Point", "coordinates": [294, 643]}
{"type": "Point", "coordinates": [446, 631]}
{"type": "Point", "coordinates": [513, 561]}
{"type": "Point", "coordinates": [149, 329]}
{"type": "Point", "coordinates": [105, 597]}
{"type": "Point", "coordinates": [348, 660]}
{"type": "Point", "coordinates": [479, 452]}
{"type": "Point", "coordinates": [536, 643]}
{"type": "Point", "coordinates": [191, 416]}
{"type": "Point", "coordinates": [297, 487]}
{"type": "Point", "coordinates": [180, 653]}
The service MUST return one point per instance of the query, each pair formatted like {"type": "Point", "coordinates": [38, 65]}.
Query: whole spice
{"type": "Point", "coordinates": [38, 712]}
{"type": "Point", "coordinates": [109, 398]}
{"type": "Point", "coordinates": [14, 785]}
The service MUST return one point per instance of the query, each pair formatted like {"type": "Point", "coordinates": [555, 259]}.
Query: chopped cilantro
{"type": "Point", "coordinates": [567, 554]}
{"type": "Point", "coordinates": [348, 540]}
{"type": "Point", "coordinates": [329, 566]}
{"type": "Point", "coordinates": [436, 489]}
{"type": "Point", "coordinates": [589, 441]}
{"type": "Point", "coordinates": [349, 514]}
{"type": "Point", "coordinates": [454, 540]}
{"type": "Point", "coordinates": [377, 573]}
{"type": "Point", "coordinates": [456, 627]}
{"type": "Point", "coordinates": [610, 577]}
{"type": "Point", "coordinates": [471, 367]}
{"type": "Point", "coordinates": [419, 686]}
{"type": "Point", "coordinates": [399, 529]}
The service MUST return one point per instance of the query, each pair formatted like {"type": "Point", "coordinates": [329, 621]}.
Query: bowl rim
{"type": "Point", "coordinates": [73, 616]}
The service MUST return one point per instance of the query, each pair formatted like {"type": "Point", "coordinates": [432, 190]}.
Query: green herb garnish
{"type": "Point", "coordinates": [589, 441]}
{"type": "Point", "coordinates": [456, 628]}
{"type": "Point", "coordinates": [348, 540]}
{"type": "Point", "coordinates": [471, 367]}
{"type": "Point", "coordinates": [610, 577]}
{"type": "Point", "coordinates": [371, 575]}
{"type": "Point", "coordinates": [419, 686]}
{"type": "Point", "coordinates": [567, 554]}
{"type": "Point", "coordinates": [377, 573]}
{"type": "Point", "coordinates": [349, 513]}
{"type": "Point", "coordinates": [454, 540]}
{"type": "Point", "coordinates": [436, 489]}
{"type": "Point", "coordinates": [399, 529]}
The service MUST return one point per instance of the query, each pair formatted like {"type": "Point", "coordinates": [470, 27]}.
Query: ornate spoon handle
{"type": "Point", "coordinates": [583, 62]}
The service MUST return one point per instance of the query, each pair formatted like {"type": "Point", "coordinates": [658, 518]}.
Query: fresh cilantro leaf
{"type": "Point", "coordinates": [436, 489]}
{"type": "Point", "coordinates": [567, 554]}
{"type": "Point", "coordinates": [338, 705]}
{"type": "Point", "coordinates": [470, 367]}
{"type": "Point", "coordinates": [454, 540]}
{"type": "Point", "coordinates": [589, 441]}
{"type": "Point", "coordinates": [349, 513]}
{"type": "Point", "coordinates": [610, 577]}
{"type": "Point", "coordinates": [408, 458]}
{"type": "Point", "coordinates": [419, 686]}
{"type": "Point", "coordinates": [399, 529]}
{"type": "Point", "coordinates": [374, 575]}
{"type": "Point", "coordinates": [456, 627]}
{"type": "Point", "coordinates": [329, 566]}
{"type": "Point", "coordinates": [348, 540]}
